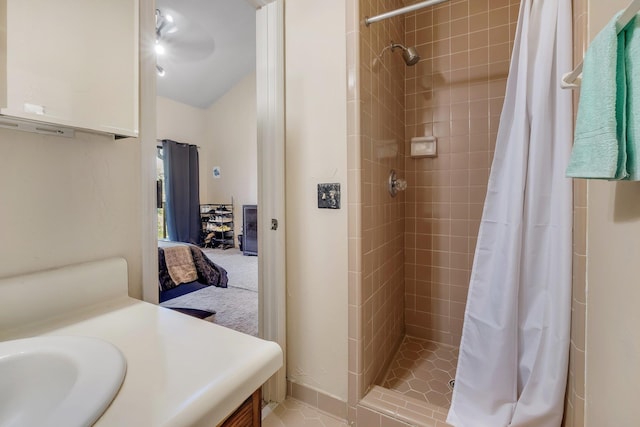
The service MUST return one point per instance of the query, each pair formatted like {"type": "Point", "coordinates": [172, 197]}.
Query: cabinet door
{"type": "Point", "coordinates": [71, 63]}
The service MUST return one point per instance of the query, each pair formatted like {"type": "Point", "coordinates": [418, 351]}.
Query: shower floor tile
{"type": "Point", "coordinates": [422, 369]}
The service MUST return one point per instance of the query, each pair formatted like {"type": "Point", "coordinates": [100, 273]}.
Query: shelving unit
{"type": "Point", "coordinates": [217, 225]}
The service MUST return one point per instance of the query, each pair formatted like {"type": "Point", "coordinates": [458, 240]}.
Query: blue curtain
{"type": "Point", "coordinates": [183, 187]}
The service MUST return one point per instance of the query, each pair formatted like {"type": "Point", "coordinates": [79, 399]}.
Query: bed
{"type": "Point", "coordinates": [173, 281]}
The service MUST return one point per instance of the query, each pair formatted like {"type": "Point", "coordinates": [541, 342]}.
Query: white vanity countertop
{"type": "Point", "coordinates": [181, 371]}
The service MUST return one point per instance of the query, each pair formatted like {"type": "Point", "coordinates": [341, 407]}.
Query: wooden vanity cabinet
{"type": "Point", "coordinates": [249, 414]}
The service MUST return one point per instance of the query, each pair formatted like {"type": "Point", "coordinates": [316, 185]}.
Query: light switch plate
{"type": "Point", "coordinates": [329, 196]}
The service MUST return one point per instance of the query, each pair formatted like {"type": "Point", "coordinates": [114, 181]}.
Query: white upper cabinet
{"type": "Point", "coordinates": [71, 63]}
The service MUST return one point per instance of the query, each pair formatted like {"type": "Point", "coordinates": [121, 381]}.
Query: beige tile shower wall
{"type": "Point", "coordinates": [382, 149]}
{"type": "Point", "coordinates": [455, 93]}
{"type": "Point", "coordinates": [574, 400]}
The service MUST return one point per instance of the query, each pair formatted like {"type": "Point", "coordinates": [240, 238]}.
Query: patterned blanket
{"type": "Point", "coordinates": [180, 264]}
{"type": "Point", "coordinates": [208, 272]}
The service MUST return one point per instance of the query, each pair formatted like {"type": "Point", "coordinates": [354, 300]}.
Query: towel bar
{"type": "Point", "coordinates": [572, 79]}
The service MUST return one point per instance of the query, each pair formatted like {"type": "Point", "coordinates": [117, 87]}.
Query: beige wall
{"type": "Point", "coordinates": [612, 333]}
{"type": "Point", "coordinates": [613, 272]}
{"type": "Point", "coordinates": [316, 152]}
{"type": "Point", "coordinates": [231, 130]}
{"type": "Point", "coordinates": [65, 201]}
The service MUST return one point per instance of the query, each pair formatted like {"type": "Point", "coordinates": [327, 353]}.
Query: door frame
{"type": "Point", "coordinates": [271, 174]}
{"type": "Point", "coordinates": [148, 144]}
{"type": "Point", "coordinates": [271, 186]}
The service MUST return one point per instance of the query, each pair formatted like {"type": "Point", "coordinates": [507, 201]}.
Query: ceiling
{"type": "Point", "coordinates": [213, 48]}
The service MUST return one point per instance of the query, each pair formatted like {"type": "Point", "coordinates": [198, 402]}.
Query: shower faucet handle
{"type": "Point", "coordinates": [396, 184]}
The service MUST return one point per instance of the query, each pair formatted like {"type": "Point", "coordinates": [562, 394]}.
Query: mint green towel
{"type": "Point", "coordinates": [599, 148]}
{"type": "Point", "coordinates": [632, 63]}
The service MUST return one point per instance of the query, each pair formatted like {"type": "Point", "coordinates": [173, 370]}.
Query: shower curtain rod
{"type": "Point", "coordinates": [572, 79]}
{"type": "Point", "coordinates": [402, 10]}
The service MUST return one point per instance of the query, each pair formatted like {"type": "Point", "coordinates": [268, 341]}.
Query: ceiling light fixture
{"type": "Point", "coordinates": [160, 50]}
{"type": "Point", "coordinates": [164, 25]}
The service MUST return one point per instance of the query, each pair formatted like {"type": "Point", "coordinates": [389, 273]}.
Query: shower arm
{"type": "Point", "coordinates": [391, 46]}
{"type": "Point", "coordinates": [397, 45]}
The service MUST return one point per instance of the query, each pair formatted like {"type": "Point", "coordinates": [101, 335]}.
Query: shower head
{"type": "Point", "coordinates": [410, 55]}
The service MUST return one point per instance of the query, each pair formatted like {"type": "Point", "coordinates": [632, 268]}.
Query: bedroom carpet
{"type": "Point", "coordinates": [236, 306]}
{"type": "Point", "coordinates": [241, 270]}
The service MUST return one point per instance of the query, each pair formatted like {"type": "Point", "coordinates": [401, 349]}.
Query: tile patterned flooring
{"type": "Point", "coordinates": [293, 413]}
{"type": "Point", "coordinates": [422, 370]}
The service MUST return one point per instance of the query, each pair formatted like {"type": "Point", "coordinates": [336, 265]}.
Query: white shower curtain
{"type": "Point", "coordinates": [513, 359]}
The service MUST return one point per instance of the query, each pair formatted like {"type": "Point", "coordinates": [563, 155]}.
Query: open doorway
{"type": "Point", "coordinates": [206, 97]}
{"type": "Point", "coordinates": [271, 215]}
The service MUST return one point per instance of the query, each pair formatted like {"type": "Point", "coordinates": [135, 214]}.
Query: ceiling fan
{"type": "Point", "coordinates": [179, 40]}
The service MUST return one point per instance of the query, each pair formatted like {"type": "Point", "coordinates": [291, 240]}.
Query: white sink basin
{"type": "Point", "coordinates": [57, 380]}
